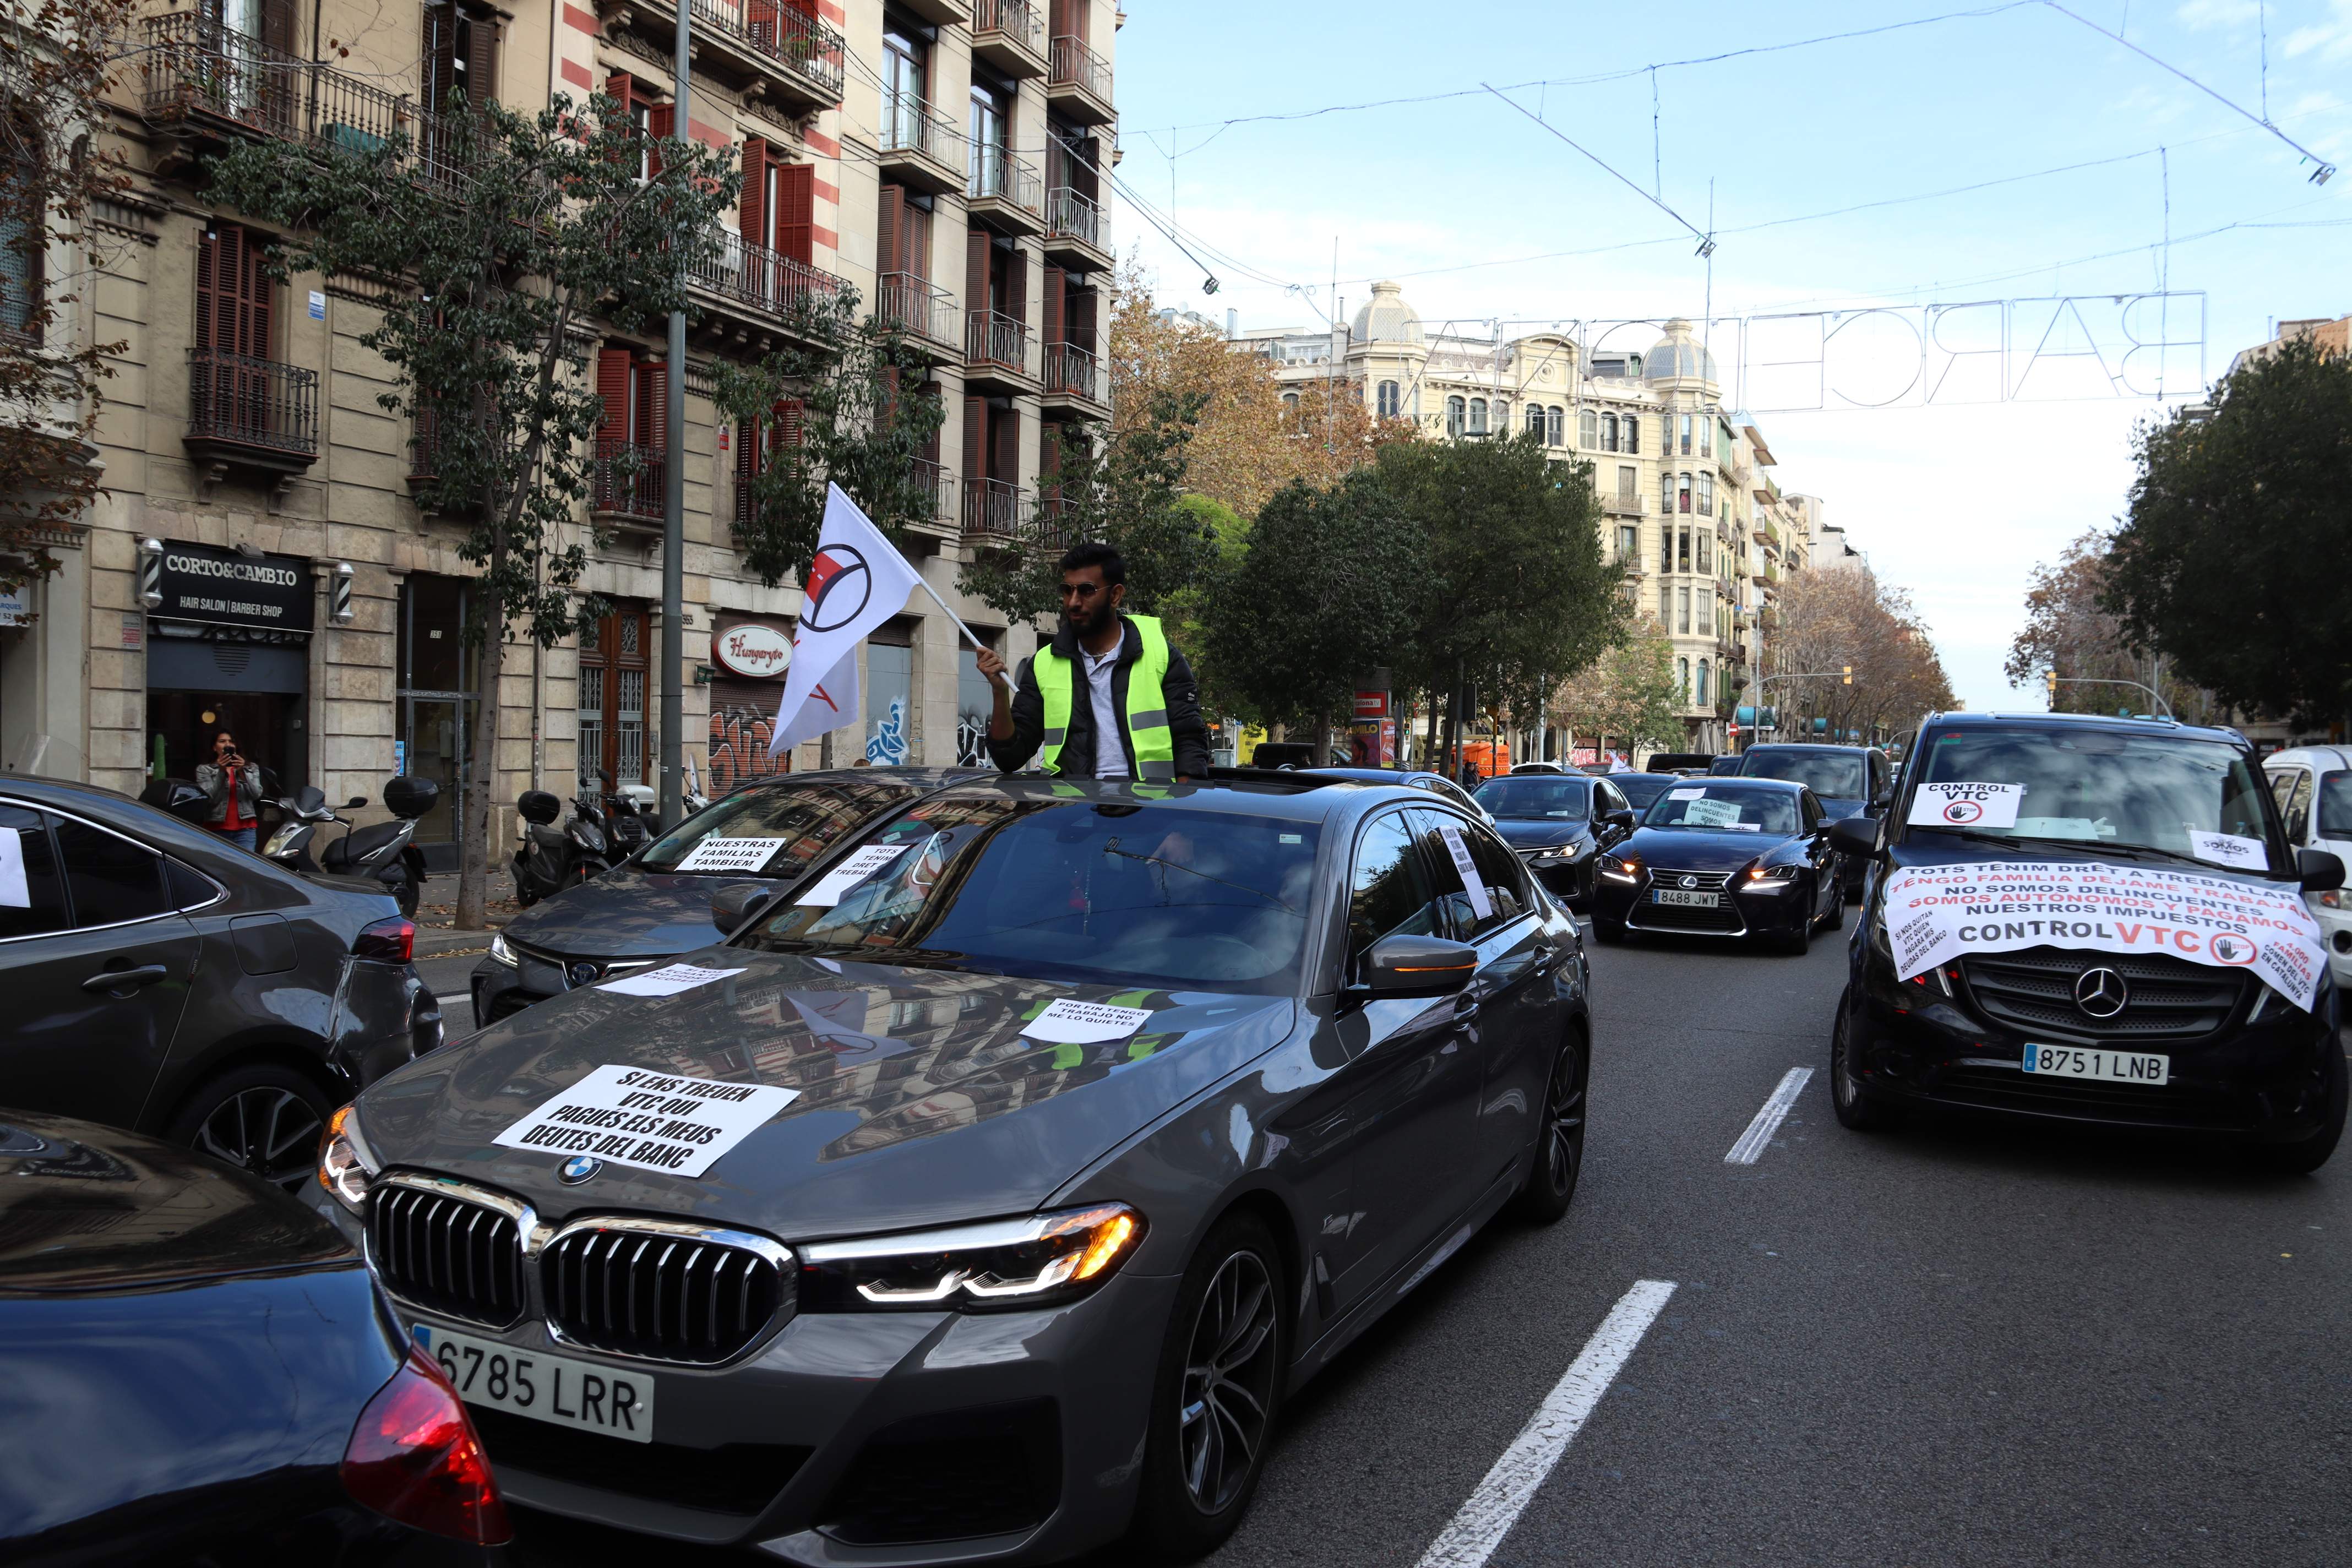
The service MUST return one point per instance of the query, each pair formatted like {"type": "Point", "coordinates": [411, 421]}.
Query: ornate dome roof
{"type": "Point", "coordinates": [1678, 355]}
{"type": "Point", "coordinates": [1386, 317]}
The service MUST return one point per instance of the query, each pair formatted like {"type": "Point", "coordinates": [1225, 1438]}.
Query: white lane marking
{"type": "Point", "coordinates": [1751, 1143]}
{"type": "Point", "coordinates": [465, 997]}
{"type": "Point", "coordinates": [1474, 1534]}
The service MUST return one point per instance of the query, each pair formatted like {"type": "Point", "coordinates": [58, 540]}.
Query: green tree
{"type": "Point", "coordinates": [1629, 694]}
{"type": "Point", "coordinates": [1515, 596]}
{"type": "Point", "coordinates": [499, 251]}
{"type": "Point", "coordinates": [2237, 526]}
{"type": "Point", "coordinates": [832, 412]}
{"type": "Point", "coordinates": [1328, 587]}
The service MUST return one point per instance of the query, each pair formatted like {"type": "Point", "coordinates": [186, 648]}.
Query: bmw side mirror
{"type": "Point", "coordinates": [2321, 872]}
{"type": "Point", "coordinates": [1855, 835]}
{"type": "Point", "coordinates": [1405, 965]}
{"type": "Point", "coordinates": [735, 906]}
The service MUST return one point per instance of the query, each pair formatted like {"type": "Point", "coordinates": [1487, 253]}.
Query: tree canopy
{"type": "Point", "coordinates": [2069, 631]}
{"type": "Point", "coordinates": [1629, 695]}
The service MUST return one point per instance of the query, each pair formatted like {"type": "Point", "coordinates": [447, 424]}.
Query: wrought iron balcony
{"type": "Point", "coordinates": [763, 280]}
{"type": "Point", "coordinates": [1008, 35]}
{"type": "Point", "coordinates": [995, 512]}
{"type": "Point", "coordinates": [1625, 505]}
{"type": "Point", "coordinates": [1073, 217]}
{"type": "Point", "coordinates": [252, 410]}
{"type": "Point", "coordinates": [941, 485]}
{"type": "Point", "coordinates": [921, 145]}
{"type": "Point", "coordinates": [198, 72]}
{"type": "Point", "coordinates": [1072, 372]}
{"type": "Point", "coordinates": [776, 42]}
{"type": "Point", "coordinates": [917, 307]}
{"type": "Point", "coordinates": [996, 341]}
{"type": "Point", "coordinates": [626, 481]}
{"type": "Point", "coordinates": [1078, 80]}
{"type": "Point", "coordinates": [1002, 177]}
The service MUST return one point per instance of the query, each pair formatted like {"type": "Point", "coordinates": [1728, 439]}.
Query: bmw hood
{"type": "Point", "coordinates": [626, 913]}
{"type": "Point", "coordinates": [1537, 832]}
{"type": "Point", "coordinates": [1704, 849]}
{"type": "Point", "coordinates": [919, 1101]}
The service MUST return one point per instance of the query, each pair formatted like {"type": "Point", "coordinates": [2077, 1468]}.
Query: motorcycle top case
{"type": "Point", "coordinates": [410, 796]}
{"type": "Point", "coordinates": [539, 807]}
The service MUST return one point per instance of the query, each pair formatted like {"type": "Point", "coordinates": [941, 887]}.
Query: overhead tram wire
{"type": "Point", "coordinates": [1705, 240]}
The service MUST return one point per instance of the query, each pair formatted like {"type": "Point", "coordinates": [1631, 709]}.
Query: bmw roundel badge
{"type": "Point", "coordinates": [578, 1169]}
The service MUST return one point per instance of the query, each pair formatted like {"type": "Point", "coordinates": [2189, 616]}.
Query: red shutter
{"type": "Point", "coordinates": [1059, 23]}
{"type": "Point", "coordinates": [620, 90]}
{"type": "Point", "coordinates": [1016, 287]}
{"type": "Point", "coordinates": [661, 120]}
{"type": "Point", "coordinates": [440, 55]}
{"type": "Point", "coordinates": [795, 215]}
{"type": "Point", "coordinates": [613, 384]}
{"type": "Point", "coordinates": [975, 269]}
{"type": "Point", "coordinates": [752, 210]}
{"type": "Point", "coordinates": [277, 25]}
{"type": "Point", "coordinates": [975, 425]}
{"type": "Point", "coordinates": [915, 241]}
{"type": "Point", "coordinates": [207, 285]}
{"type": "Point", "coordinates": [1054, 333]}
{"type": "Point", "coordinates": [889, 240]}
{"type": "Point", "coordinates": [258, 297]}
{"type": "Point", "coordinates": [653, 392]}
{"type": "Point", "coordinates": [1082, 319]}
{"type": "Point", "coordinates": [1007, 431]}
{"type": "Point", "coordinates": [747, 460]}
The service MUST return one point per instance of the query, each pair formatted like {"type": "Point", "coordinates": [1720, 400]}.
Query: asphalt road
{"type": "Point", "coordinates": [1958, 1343]}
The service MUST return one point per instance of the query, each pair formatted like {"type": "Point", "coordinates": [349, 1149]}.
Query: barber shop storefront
{"type": "Point", "coordinates": [228, 636]}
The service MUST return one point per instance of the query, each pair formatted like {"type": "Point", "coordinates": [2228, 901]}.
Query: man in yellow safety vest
{"type": "Point", "coordinates": [1109, 698]}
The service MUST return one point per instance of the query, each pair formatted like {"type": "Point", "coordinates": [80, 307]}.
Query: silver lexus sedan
{"type": "Point", "coordinates": [983, 1195]}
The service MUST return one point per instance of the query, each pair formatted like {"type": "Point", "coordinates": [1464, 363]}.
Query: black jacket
{"type": "Point", "coordinates": [1184, 694]}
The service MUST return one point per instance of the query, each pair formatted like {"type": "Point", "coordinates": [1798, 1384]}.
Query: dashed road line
{"type": "Point", "coordinates": [1752, 1142]}
{"type": "Point", "coordinates": [1474, 1534]}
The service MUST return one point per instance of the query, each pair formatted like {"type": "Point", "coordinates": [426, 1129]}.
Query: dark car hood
{"type": "Point", "coordinates": [1539, 833]}
{"type": "Point", "coordinates": [86, 1209]}
{"type": "Point", "coordinates": [919, 1101]}
{"type": "Point", "coordinates": [626, 913]}
{"type": "Point", "coordinates": [1701, 850]}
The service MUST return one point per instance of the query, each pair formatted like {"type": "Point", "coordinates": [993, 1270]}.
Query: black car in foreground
{"type": "Point", "coordinates": [160, 978]}
{"type": "Point", "coordinates": [973, 1204]}
{"type": "Point", "coordinates": [194, 1368]}
{"type": "Point", "coordinates": [1849, 781]}
{"type": "Point", "coordinates": [2091, 920]}
{"type": "Point", "coordinates": [1558, 823]}
{"type": "Point", "coordinates": [1725, 858]}
{"type": "Point", "coordinates": [753, 843]}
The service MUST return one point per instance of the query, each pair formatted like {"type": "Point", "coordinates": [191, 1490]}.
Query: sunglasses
{"type": "Point", "coordinates": [1080, 590]}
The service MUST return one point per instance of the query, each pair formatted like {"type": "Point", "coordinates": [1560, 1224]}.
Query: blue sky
{"type": "Point", "coordinates": [1955, 501]}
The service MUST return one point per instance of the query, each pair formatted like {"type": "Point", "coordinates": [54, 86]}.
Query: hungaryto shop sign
{"type": "Point", "coordinates": [221, 587]}
{"type": "Point", "coordinates": [1937, 912]}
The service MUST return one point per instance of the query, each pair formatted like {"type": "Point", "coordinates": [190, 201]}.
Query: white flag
{"type": "Point", "coordinates": [857, 582]}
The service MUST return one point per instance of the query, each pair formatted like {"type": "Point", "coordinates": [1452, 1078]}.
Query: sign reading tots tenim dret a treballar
{"type": "Point", "coordinates": [1938, 912]}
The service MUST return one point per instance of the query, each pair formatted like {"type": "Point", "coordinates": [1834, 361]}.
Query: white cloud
{"type": "Point", "coordinates": [2204, 13]}
{"type": "Point", "coordinates": [2330, 40]}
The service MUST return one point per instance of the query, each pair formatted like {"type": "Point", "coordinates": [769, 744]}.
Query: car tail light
{"type": "Point", "coordinates": [413, 1459]}
{"type": "Point", "coordinates": [387, 941]}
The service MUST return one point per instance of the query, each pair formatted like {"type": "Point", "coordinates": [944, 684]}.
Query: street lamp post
{"type": "Point", "coordinates": [672, 750]}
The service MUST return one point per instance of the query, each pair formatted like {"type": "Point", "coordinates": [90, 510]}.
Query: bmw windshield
{"type": "Point", "coordinates": [1079, 891]}
{"type": "Point", "coordinates": [2174, 795]}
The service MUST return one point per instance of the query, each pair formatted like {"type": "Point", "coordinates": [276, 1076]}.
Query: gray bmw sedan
{"type": "Point", "coordinates": [985, 1199]}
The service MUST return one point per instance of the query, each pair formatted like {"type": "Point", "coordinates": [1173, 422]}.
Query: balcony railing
{"type": "Point", "coordinates": [1071, 213]}
{"type": "Point", "coordinates": [1001, 173]}
{"type": "Point", "coordinates": [626, 481]}
{"type": "Point", "coordinates": [1013, 18]}
{"type": "Point", "coordinates": [940, 486]}
{"type": "Point", "coordinates": [917, 306]}
{"type": "Point", "coordinates": [993, 339]}
{"type": "Point", "coordinates": [236, 400]}
{"type": "Point", "coordinates": [793, 38]}
{"type": "Point", "coordinates": [994, 511]}
{"type": "Point", "coordinates": [195, 68]}
{"type": "Point", "coordinates": [1075, 65]}
{"type": "Point", "coordinates": [909, 125]}
{"type": "Point", "coordinates": [1072, 372]}
{"type": "Point", "coordinates": [764, 279]}
{"type": "Point", "coordinates": [1625, 505]}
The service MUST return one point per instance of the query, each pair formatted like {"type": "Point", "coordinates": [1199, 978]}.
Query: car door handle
{"type": "Point", "coordinates": [125, 979]}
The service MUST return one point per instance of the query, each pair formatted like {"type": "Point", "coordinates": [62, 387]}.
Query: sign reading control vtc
{"type": "Point", "coordinates": [222, 588]}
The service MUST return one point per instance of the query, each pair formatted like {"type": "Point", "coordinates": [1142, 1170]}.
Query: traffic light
{"type": "Point", "coordinates": [1848, 675]}
{"type": "Point", "coordinates": [2052, 676]}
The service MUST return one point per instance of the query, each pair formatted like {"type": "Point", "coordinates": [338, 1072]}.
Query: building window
{"type": "Point", "coordinates": [903, 94]}
{"type": "Point", "coordinates": [1555, 424]}
{"type": "Point", "coordinates": [1609, 432]}
{"type": "Point", "coordinates": [1502, 416]}
{"type": "Point", "coordinates": [1629, 541]}
{"type": "Point", "coordinates": [1705, 437]}
{"type": "Point", "coordinates": [1703, 554]}
{"type": "Point", "coordinates": [1683, 494]}
{"type": "Point", "coordinates": [1632, 433]}
{"type": "Point", "coordinates": [614, 663]}
{"type": "Point", "coordinates": [1665, 492]}
{"type": "Point", "coordinates": [1453, 416]}
{"type": "Point", "coordinates": [1702, 683]}
{"type": "Point", "coordinates": [1477, 416]}
{"type": "Point", "coordinates": [23, 233]}
{"type": "Point", "coordinates": [1391, 403]}
{"type": "Point", "coordinates": [1536, 420]}
{"type": "Point", "coordinates": [1682, 671]}
{"type": "Point", "coordinates": [1706, 490]}
{"type": "Point", "coordinates": [1681, 556]}
{"type": "Point", "coordinates": [1588, 425]}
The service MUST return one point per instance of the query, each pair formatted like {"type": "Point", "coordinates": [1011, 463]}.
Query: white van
{"type": "Point", "coordinates": [2312, 786]}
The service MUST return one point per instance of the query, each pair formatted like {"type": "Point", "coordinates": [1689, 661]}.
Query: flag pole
{"type": "Point", "coordinates": [970, 635]}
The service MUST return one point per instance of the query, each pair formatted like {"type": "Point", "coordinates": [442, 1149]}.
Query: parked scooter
{"type": "Point", "coordinates": [634, 820]}
{"type": "Point", "coordinates": [551, 860]}
{"type": "Point", "coordinates": [384, 852]}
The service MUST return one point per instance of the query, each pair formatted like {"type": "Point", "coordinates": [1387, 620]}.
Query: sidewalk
{"type": "Point", "coordinates": [437, 934]}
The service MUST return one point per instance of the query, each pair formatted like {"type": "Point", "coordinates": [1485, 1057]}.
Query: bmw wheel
{"type": "Point", "coordinates": [1559, 1139]}
{"type": "Point", "coordinates": [1214, 1396]}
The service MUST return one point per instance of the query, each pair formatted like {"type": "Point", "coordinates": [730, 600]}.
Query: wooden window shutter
{"type": "Point", "coordinates": [440, 55]}
{"type": "Point", "coordinates": [1016, 287]}
{"type": "Point", "coordinates": [278, 24]}
{"type": "Point", "coordinates": [1058, 20]}
{"type": "Point", "coordinates": [258, 296]}
{"type": "Point", "coordinates": [747, 460]}
{"type": "Point", "coordinates": [890, 241]}
{"type": "Point", "coordinates": [661, 120]}
{"type": "Point", "coordinates": [792, 425]}
{"type": "Point", "coordinates": [795, 216]}
{"type": "Point", "coordinates": [232, 293]}
{"type": "Point", "coordinates": [975, 268]}
{"type": "Point", "coordinates": [653, 392]}
{"type": "Point", "coordinates": [1054, 324]}
{"type": "Point", "coordinates": [207, 286]}
{"type": "Point", "coordinates": [1082, 318]}
{"type": "Point", "coordinates": [1007, 431]}
{"type": "Point", "coordinates": [915, 241]}
{"type": "Point", "coordinates": [482, 59]}
{"type": "Point", "coordinates": [751, 212]}
{"type": "Point", "coordinates": [613, 384]}
{"type": "Point", "coordinates": [621, 90]}
{"type": "Point", "coordinates": [975, 424]}
{"type": "Point", "coordinates": [1049, 461]}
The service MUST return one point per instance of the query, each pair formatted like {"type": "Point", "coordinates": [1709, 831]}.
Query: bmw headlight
{"type": "Point", "coordinates": [501, 954]}
{"type": "Point", "coordinates": [345, 1166]}
{"type": "Point", "coordinates": [1043, 1260]}
{"type": "Point", "coordinates": [1621, 868]}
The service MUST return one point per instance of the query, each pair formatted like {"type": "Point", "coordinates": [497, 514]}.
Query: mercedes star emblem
{"type": "Point", "coordinates": [578, 1169]}
{"type": "Point", "coordinates": [2100, 993]}
{"type": "Point", "coordinates": [1690, 881]}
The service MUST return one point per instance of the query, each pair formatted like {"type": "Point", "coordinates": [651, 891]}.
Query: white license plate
{"type": "Point", "coordinates": [1677, 896]}
{"type": "Point", "coordinates": [545, 1387]}
{"type": "Point", "coordinates": [2108, 1067]}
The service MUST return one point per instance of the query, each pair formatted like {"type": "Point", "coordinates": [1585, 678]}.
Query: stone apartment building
{"type": "Point", "coordinates": [259, 563]}
{"type": "Point", "coordinates": [1702, 533]}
